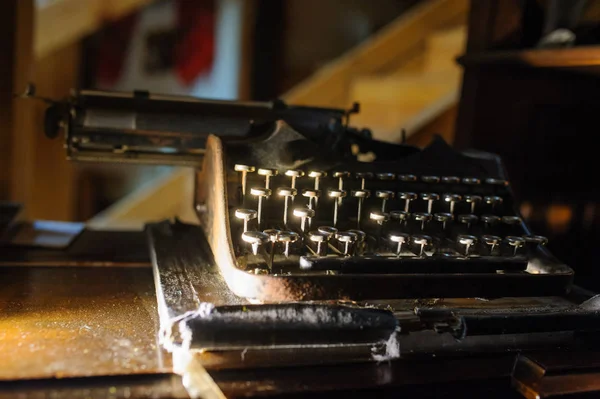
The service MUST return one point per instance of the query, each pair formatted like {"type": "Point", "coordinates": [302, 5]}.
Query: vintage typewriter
{"type": "Point", "coordinates": [317, 243]}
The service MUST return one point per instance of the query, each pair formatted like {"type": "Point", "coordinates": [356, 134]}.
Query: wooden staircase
{"type": "Point", "coordinates": [405, 76]}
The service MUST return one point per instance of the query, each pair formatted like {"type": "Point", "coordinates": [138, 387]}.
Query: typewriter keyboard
{"type": "Point", "coordinates": [353, 221]}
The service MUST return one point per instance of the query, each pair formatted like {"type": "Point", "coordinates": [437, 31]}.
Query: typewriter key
{"type": "Point", "coordinates": [407, 197]}
{"type": "Point", "coordinates": [386, 176]}
{"type": "Point", "coordinates": [244, 170]}
{"type": "Point", "coordinates": [444, 218]}
{"type": "Point", "coordinates": [380, 218]}
{"type": "Point", "coordinates": [321, 240]}
{"type": "Point", "coordinates": [361, 236]}
{"type": "Point", "coordinates": [473, 200]}
{"type": "Point", "coordinates": [362, 176]}
{"type": "Point", "coordinates": [407, 178]}
{"type": "Point", "coordinates": [273, 234]}
{"type": "Point", "coordinates": [399, 239]}
{"type": "Point", "coordinates": [490, 220]}
{"type": "Point", "coordinates": [496, 182]}
{"type": "Point", "coordinates": [450, 179]}
{"type": "Point", "coordinates": [423, 241]}
{"type": "Point", "coordinates": [430, 197]}
{"type": "Point", "coordinates": [294, 174]}
{"type": "Point", "coordinates": [467, 219]}
{"type": "Point", "coordinates": [452, 199]}
{"type": "Point", "coordinates": [267, 173]}
{"type": "Point", "coordinates": [287, 237]}
{"type": "Point", "coordinates": [255, 239]}
{"type": "Point", "coordinates": [286, 193]}
{"type": "Point", "coordinates": [467, 241]}
{"type": "Point", "coordinates": [312, 196]}
{"type": "Point", "coordinates": [430, 179]}
{"type": "Point", "coordinates": [260, 193]}
{"type": "Point", "coordinates": [493, 201]}
{"type": "Point", "coordinates": [535, 240]}
{"type": "Point", "coordinates": [422, 217]}
{"type": "Point", "coordinates": [385, 195]}
{"type": "Point", "coordinates": [317, 175]}
{"type": "Point", "coordinates": [330, 231]}
{"type": "Point", "coordinates": [472, 181]}
{"type": "Point", "coordinates": [491, 241]}
{"type": "Point", "coordinates": [511, 220]}
{"type": "Point", "coordinates": [515, 242]}
{"type": "Point", "coordinates": [348, 238]}
{"type": "Point", "coordinates": [303, 214]}
{"type": "Point", "coordinates": [360, 195]}
{"type": "Point", "coordinates": [400, 216]}
{"type": "Point", "coordinates": [336, 195]}
{"type": "Point", "coordinates": [246, 215]}
{"type": "Point", "coordinates": [341, 175]}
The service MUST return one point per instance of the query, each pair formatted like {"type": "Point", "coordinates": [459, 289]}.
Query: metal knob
{"type": "Point", "coordinates": [450, 179]}
{"type": "Point", "coordinates": [363, 176]}
{"type": "Point", "coordinates": [452, 199]}
{"type": "Point", "coordinates": [267, 173]}
{"type": "Point", "coordinates": [493, 201]}
{"type": "Point", "coordinates": [511, 220]}
{"type": "Point", "coordinates": [430, 179]}
{"type": "Point", "coordinates": [472, 181]}
{"type": "Point", "coordinates": [423, 241]}
{"type": "Point", "coordinates": [303, 214]}
{"type": "Point", "coordinates": [490, 220]}
{"type": "Point", "coordinates": [255, 239]}
{"type": "Point", "coordinates": [422, 217]}
{"type": "Point", "coordinates": [244, 170]}
{"type": "Point", "coordinates": [320, 239]}
{"type": "Point", "coordinates": [294, 174]}
{"type": "Point", "coordinates": [385, 195]}
{"type": "Point", "coordinates": [312, 196]}
{"type": "Point", "coordinates": [330, 231]}
{"type": "Point", "coordinates": [348, 238]}
{"type": "Point", "coordinates": [399, 239]}
{"type": "Point", "coordinates": [515, 242]}
{"type": "Point", "coordinates": [407, 178]}
{"type": "Point", "coordinates": [473, 200]}
{"type": "Point", "coordinates": [496, 182]}
{"type": "Point", "coordinates": [286, 193]}
{"type": "Point", "coordinates": [260, 193]}
{"type": "Point", "coordinates": [246, 215]}
{"type": "Point", "coordinates": [407, 197]}
{"type": "Point", "coordinates": [386, 176]}
{"type": "Point", "coordinates": [468, 219]}
{"type": "Point", "coordinates": [430, 197]}
{"type": "Point", "coordinates": [491, 241]}
{"type": "Point", "coordinates": [400, 216]}
{"type": "Point", "coordinates": [341, 175]}
{"type": "Point", "coordinates": [287, 238]}
{"type": "Point", "coordinates": [336, 195]}
{"type": "Point", "coordinates": [468, 241]}
{"type": "Point", "coordinates": [444, 218]}
{"type": "Point", "coordinates": [317, 175]}
{"type": "Point", "coordinates": [361, 195]}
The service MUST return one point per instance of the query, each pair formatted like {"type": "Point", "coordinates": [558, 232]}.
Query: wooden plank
{"type": "Point", "coordinates": [383, 53]}
{"type": "Point", "coordinates": [61, 22]}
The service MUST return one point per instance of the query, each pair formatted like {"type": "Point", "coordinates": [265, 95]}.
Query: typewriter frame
{"type": "Point", "coordinates": [211, 204]}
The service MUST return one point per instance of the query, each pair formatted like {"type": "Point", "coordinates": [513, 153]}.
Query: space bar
{"type": "Point", "coordinates": [410, 265]}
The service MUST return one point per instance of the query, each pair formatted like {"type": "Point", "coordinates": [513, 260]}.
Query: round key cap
{"type": "Point", "coordinates": [385, 196]}
{"type": "Point", "coordinates": [467, 241]}
{"type": "Point", "coordinates": [267, 172]}
{"type": "Point", "coordinates": [361, 236]}
{"type": "Point", "coordinates": [363, 175]}
{"type": "Point", "coordinates": [287, 191]}
{"type": "Point", "coordinates": [535, 240]}
{"type": "Point", "coordinates": [423, 241]}
{"type": "Point", "coordinates": [294, 173]}
{"type": "Point", "coordinates": [452, 199]}
{"type": "Point", "coordinates": [450, 179]}
{"type": "Point", "coordinates": [399, 239]}
{"type": "Point", "coordinates": [341, 174]}
{"type": "Point", "coordinates": [361, 193]}
{"type": "Point", "coordinates": [443, 217]}
{"type": "Point", "coordinates": [330, 231]}
{"type": "Point", "coordinates": [337, 193]}
{"type": "Point", "coordinates": [317, 174]}
{"type": "Point", "coordinates": [407, 178]}
{"type": "Point", "coordinates": [287, 238]}
{"type": "Point", "coordinates": [496, 182]}
{"type": "Point", "coordinates": [347, 238]}
{"type": "Point", "coordinates": [273, 234]}
{"type": "Point", "coordinates": [243, 168]}
{"type": "Point", "coordinates": [260, 191]}
{"type": "Point", "coordinates": [511, 220]}
{"type": "Point", "coordinates": [422, 217]}
{"type": "Point", "coordinates": [407, 197]}
{"type": "Point", "coordinates": [468, 219]}
{"type": "Point", "coordinates": [430, 197]}
{"type": "Point", "coordinates": [430, 179]}
{"type": "Point", "coordinates": [400, 216]}
{"type": "Point", "coordinates": [472, 181]}
{"type": "Point", "coordinates": [321, 240]}
{"type": "Point", "coordinates": [490, 220]}
{"type": "Point", "coordinates": [303, 214]}
{"type": "Point", "coordinates": [473, 200]}
{"type": "Point", "coordinates": [492, 200]}
{"type": "Point", "coordinates": [379, 217]}
{"type": "Point", "coordinates": [386, 176]}
{"type": "Point", "coordinates": [491, 241]}
{"type": "Point", "coordinates": [246, 215]}
{"type": "Point", "coordinates": [515, 242]}
{"type": "Point", "coordinates": [255, 239]}
{"type": "Point", "coordinates": [311, 195]}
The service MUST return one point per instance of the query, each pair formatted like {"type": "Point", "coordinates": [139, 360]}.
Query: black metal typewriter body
{"type": "Point", "coordinates": [317, 243]}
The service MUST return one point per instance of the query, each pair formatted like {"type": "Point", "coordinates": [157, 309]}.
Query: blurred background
{"type": "Point", "coordinates": [397, 58]}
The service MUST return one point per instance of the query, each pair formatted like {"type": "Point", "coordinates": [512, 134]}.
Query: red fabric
{"type": "Point", "coordinates": [112, 51]}
{"type": "Point", "coordinates": [195, 49]}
